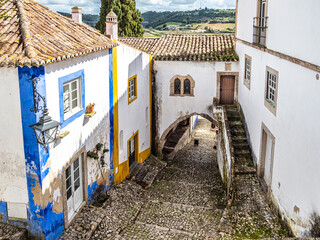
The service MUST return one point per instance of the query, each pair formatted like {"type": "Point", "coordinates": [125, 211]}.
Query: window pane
{"type": "Point", "coordinates": [187, 86]}
{"type": "Point", "coordinates": [177, 86]}
{"type": "Point", "coordinates": [74, 95]}
{"type": "Point", "coordinates": [65, 88]}
{"type": "Point", "coordinates": [74, 104]}
{"type": "Point", "coordinates": [68, 172]}
{"type": "Point", "coordinates": [76, 174]}
{"type": "Point", "coordinates": [69, 193]}
{"type": "Point", "coordinates": [74, 85]}
{"type": "Point", "coordinates": [76, 184]}
{"type": "Point", "coordinates": [68, 183]}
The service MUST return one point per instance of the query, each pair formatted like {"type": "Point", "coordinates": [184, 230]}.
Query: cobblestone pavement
{"type": "Point", "coordinates": [187, 201]}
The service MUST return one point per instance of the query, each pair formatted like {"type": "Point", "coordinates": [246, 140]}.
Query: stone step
{"type": "Point", "coordinates": [242, 169]}
{"type": "Point", "coordinates": [244, 152]}
{"type": "Point", "coordinates": [234, 118]}
{"type": "Point", "coordinates": [237, 132]}
{"type": "Point", "coordinates": [244, 161]}
{"type": "Point", "coordinates": [241, 145]}
{"type": "Point", "coordinates": [239, 139]}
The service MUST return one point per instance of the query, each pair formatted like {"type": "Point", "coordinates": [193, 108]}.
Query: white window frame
{"type": "Point", "coordinates": [247, 71]}
{"type": "Point", "coordinates": [72, 111]}
{"type": "Point", "coordinates": [271, 91]}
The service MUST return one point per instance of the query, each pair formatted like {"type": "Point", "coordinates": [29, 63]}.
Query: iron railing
{"type": "Point", "coordinates": [260, 30]}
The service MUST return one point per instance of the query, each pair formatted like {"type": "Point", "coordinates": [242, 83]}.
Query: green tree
{"type": "Point", "coordinates": [129, 17]}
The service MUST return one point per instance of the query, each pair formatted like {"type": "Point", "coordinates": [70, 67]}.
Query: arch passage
{"type": "Point", "coordinates": [175, 124]}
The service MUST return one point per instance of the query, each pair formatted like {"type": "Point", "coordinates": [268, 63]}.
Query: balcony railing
{"type": "Point", "coordinates": [260, 30]}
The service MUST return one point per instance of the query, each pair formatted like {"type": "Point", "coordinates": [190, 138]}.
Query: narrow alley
{"type": "Point", "coordinates": [186, 201]}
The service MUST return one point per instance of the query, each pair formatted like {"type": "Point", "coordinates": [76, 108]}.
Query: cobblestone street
{"type": "Point", "coordinates": [187, 201]}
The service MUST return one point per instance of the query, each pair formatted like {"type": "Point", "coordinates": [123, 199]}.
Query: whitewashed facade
{"type": "Point", "coordinates": [284, 138]}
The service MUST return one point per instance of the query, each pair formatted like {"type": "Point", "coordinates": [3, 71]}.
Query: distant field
{"type": "Point", "coordinates": [218, 28]}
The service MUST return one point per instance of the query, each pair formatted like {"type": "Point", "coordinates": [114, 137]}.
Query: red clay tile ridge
{"type": "Point", "coordinates": [33, 35]}
{"type": "Point", "coordinates": [174, 47]}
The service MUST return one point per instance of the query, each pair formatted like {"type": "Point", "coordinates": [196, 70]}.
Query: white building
{"type": "Point", "coordinates": [279, 69]}
{"type": "Point", "coordinates": [66, 67]}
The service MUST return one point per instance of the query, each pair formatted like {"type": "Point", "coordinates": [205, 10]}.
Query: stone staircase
{"type": "Point", "coordinates": [145, 173]}
{"type": "Point", "coordinates": [242, 151]}
{"type": "Point", "coordinates": [172, 141]}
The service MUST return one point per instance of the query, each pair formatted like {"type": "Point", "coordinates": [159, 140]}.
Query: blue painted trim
{"type": "Point", "coordinates": [194, 124]}
{"type": "Point", "coordinates": [43, 222]}
{"type": "Point", "coordinates": [62, 80]}
{"type": "Point", "coordinates": [3, 211]}
{"type": "Point", "coordinates": [111, 113]}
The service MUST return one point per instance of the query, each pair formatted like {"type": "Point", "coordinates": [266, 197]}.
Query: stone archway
{"type": "Point", "coordinates": [175, 124]}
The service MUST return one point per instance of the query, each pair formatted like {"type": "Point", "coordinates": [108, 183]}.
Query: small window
{"type": "Point", "coordinates": [132, 89]}
{"type": "Point", "coordinates": [271, 87]}
{"type": "Point", "coordinates": [177, 86]}
{"type": "Point", "coordinates": [187, 86]}
{"type": "Point", "coordinates": [71, 97]}
{"type": "Point", "coordinates": [271, 90]}
{"type": "Point", "coordinates": [247, 71]}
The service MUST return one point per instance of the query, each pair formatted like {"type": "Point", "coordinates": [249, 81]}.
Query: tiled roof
{"type": "Point", "coordinates": [187, 47]}
{"type": "Point", "coordinates": [33, 35]}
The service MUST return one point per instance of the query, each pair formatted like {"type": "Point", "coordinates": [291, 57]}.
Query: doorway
{"type": "Point", "coordinates": [74, 187]}
{"type": "Point", "coordinates": [133, 149]}
{"type": "Point", "coordinates": [227, 88]}
{"type": "Point", "coordinates": [267, 156]}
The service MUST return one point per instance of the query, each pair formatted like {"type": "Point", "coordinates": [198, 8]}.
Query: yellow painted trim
{"type": "Point", "coordinates": [135, 89]}
{"type": "Point", "coordinates": [150, 107]}
{"type": "Point", "coordinates": [118, 175]}
{"type": "Point", "coordinates": [123, 172]}
{"type": "Point", "coordinates": [144, 155]}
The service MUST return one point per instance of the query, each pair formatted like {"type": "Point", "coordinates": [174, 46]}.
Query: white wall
{"type": "Point", "coordinates": [173, 107]}
{"type": "Point", "coordinates": [12, 162]}
{"type": "Point", "coordinates": [295, 128]}
{"type": "Point", "coordinates": [83, 132]}
{"type": "Point", "coordinates": [132, 117]}
{"type": "Point", "coordinates": [293, 27]}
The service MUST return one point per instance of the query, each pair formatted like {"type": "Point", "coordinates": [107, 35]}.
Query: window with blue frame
{"type": "Point", "coordinates": [71, 97]}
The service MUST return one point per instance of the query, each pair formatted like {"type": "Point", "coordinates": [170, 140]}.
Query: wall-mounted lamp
{"type": "Point", "coordinates": [46, 129]}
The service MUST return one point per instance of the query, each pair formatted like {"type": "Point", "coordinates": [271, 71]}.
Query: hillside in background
{"type": "Point", "coordinates": [216, 21]}
{"type": "Point", "coordinates": [156, 19]}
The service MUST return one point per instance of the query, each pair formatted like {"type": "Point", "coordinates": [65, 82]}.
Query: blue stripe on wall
{"type": "Point", "coordinates": [3, 211]}
{"type": "Point", "coordinates": [42, 221]}
{"type": "Point", "coordinates": [111, 114]}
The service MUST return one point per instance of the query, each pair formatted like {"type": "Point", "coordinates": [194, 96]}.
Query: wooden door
{"type": "Point", "coordinates": [227, 84]}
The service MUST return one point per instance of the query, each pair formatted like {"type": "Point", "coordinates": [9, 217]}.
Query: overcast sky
{"type": "Point", "coordinates": [93, 6]}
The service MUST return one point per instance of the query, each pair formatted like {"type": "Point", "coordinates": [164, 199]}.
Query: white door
{"type": "Point", "coordinates": [268, 156]}
{"type": "Point", "coordinates": [74, 187]}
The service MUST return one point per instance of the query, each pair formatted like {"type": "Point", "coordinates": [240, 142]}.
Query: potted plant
{"type": "Point", "coordinates": [90, 108]}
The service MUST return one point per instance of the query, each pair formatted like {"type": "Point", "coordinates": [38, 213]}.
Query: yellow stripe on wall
{"type": "Point", "coordinates": [116, 112]}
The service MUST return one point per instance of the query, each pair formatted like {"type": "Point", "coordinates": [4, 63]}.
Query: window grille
{"type": "Point", "coordinates": [177, 86]}
{"type": "Point", "coordinates": [187, 87]}
{"type": "Point", "coordinates": [271, 88]}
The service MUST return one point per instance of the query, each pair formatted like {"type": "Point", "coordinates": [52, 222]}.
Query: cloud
{"type": "Point", "coordinates": [93, 6]}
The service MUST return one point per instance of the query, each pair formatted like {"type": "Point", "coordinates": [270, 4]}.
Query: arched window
{"type": "Point", "coordinates": [187, 86]}
{"type": "Point", "coordinates": [177, 86]}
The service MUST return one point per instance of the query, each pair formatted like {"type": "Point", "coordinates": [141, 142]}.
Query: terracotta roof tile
{"type": "Point", "coordinates": [187, 47]}
{"type": "Point", "coordinates": [33, 35]}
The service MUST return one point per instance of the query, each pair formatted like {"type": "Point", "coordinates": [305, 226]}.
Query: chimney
{"type": "Point", "coordinates": [77, 14]}
{"type": "Point", "coordinates": [112, 25]}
